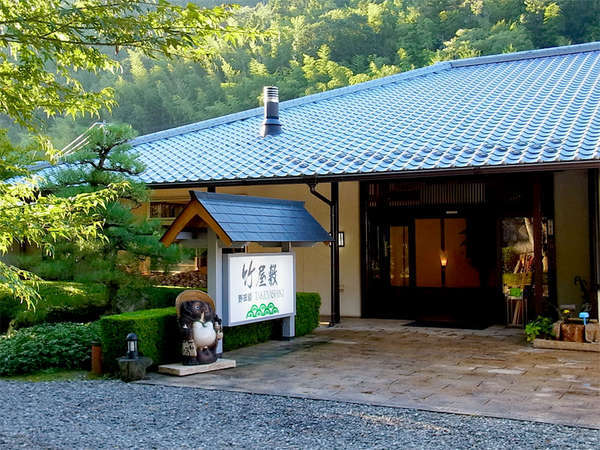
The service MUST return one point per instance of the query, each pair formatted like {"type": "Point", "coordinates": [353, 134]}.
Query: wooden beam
{"type": "Point", "coordinates": [594, 216]}
{"type": "Point", "coordinates": [192, 210]}
{"type": "Point", "coordinates": [188, 213]}
{"type": "Point", "coordinates": [538, 267]}
{"type": "Point", "coordinates": [212, 224]}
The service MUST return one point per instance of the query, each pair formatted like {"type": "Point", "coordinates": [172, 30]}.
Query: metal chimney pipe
{"type": "Point", "coordinates": [271, 124]}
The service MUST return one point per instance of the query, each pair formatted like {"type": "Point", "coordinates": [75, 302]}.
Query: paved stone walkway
{"type": "Point", "coordinates": [489, 372]}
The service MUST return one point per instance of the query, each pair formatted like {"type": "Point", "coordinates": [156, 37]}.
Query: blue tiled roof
{"type": "Point", "coordinates": [533, 108]}
{"type": "Point", "coordinates": [257, 219]}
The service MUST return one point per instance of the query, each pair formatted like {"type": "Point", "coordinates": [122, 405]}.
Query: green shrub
{"type": "Point", "coordinates": [308, 305]}
{"type": "Point", "coordinates": [158, 335]}
{"type": "Point", "coordinates": [542, 326]}
{"type": "Point", "coordinates": [64, 345]}
{"type": "Point", "coordinates": [65, 301]}
{"type": "Point", "coordinates": [161, 296]}
{"type": "Point", "coordinates": [156, 329]}
{"type": "Point", "coordinates": [60, 302]}
{"type": "Point", "coordinates": [251, 334]}
{"type": "Point", "coordinates": [9, 308]}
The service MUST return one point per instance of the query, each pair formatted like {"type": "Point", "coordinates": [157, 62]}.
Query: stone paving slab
{"type": "Point", "coordinates": [480, 372]}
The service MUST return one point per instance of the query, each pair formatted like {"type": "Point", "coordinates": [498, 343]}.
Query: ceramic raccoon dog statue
{"type": "Point", "coordinates": [200, 327]}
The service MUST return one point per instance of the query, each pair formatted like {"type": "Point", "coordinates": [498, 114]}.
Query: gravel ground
{"type": "Point", "coordinates": [112, 414]}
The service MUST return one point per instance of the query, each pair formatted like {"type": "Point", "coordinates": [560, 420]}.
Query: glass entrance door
{"type": "Point", "coordinates": [399, 256]}
{"type": "Point", "coordinates": [424, 265]}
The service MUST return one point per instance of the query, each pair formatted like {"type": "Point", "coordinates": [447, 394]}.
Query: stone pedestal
{"type": "Point", "coordinates": [181, 371]}
{"type": "Point", "coordinates": [133, 369]}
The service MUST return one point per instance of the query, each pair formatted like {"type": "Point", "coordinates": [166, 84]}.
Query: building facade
{"type": "Point", "coordinates": [458, 191]}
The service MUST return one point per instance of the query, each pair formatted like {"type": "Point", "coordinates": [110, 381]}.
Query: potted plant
{"type": "Point", "coordinates": [541, 327]}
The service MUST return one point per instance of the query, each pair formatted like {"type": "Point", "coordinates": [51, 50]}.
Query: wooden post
{"type": "Point", "coordinates": [538, 268]}
{"type": "Point", "coordinates": [333, 204]}
{"type": "Point", "coordinates": [214, 275]}
{"type": "Point", "coordinates": [594, 215]}
{"type": "Point", "coordinates": [288, 324]}
{"type": "Point", "coordinates": [335, 255]}
{"type": "Point", "coordinates": [96, 358]}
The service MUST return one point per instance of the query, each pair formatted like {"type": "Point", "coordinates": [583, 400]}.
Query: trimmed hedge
{"type": "Point", "coordinates": [66, 301]}
{"type": "Point", "coordinates": [60, 302]}
{"type": "Point", "coordinates": [156, 329]}
{"type": "Point", "coordinates": [158, 333]}
{"type": "Point", "coordinates": [308, 305]}
{"type": "Point", "coordinates": [251, 334]}
{"type": "Point", "coordinates": [161, 296]}
{"type": "Point", "coordinates": [59, 345]}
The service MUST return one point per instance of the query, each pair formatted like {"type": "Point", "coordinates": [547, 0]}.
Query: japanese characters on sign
{"type": "Point", "coordinates": [259, 287]}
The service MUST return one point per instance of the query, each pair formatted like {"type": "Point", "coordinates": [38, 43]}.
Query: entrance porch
{"type": "Point", "coordinates": [471, 251]}
{"type": "Point", "coordinates": [383, 362]}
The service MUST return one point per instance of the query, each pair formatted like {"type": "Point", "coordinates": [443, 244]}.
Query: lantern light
{"type": "Point", "coordinates": [443, 264]}
{"type": "Point", "coordinates": [132, 346]}
{"type": "Point", "coordinates": [341, 239]}
{"type": "Point", "coordinates": [443, 259]}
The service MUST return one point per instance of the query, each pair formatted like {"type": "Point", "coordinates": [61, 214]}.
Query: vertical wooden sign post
{"type": "Point", "coordinates": [289, 323]}
{"type": "Point", "coordinates": [214, 275]}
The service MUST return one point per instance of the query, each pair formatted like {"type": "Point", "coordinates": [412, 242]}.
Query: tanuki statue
{"type": "Point", "coordinates": [200, 327]}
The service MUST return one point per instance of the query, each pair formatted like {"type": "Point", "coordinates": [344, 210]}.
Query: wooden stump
{"type": "Point", "coordinates": [572, 332]}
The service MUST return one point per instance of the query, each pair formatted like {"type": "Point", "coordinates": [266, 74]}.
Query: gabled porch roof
{"type": "Point", "coordinates": [239, 219]}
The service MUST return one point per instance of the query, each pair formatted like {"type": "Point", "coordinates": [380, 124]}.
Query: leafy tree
{"type": "Point", "coordinates": [107, 159]}
{"type": "Point", "coordinates": [45, 46]}
{"type": "Point", "coordinates": [397, 35]}
{"type": "Point", "coordinates": [45, 42]}
{"type": "Point", "coordinates": [28, 217]}
{"type": "Point", "coordinates": [501, 38]}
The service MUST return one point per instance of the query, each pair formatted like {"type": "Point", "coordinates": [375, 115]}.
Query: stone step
{"type": "Point", "coordinates": [181, 371]}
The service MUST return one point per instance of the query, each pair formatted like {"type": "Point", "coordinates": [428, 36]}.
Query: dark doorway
{"type": "Point", "coordinates": [433, 251]}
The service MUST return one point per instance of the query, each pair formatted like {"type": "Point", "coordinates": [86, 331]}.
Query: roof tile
{"type": "Point", "coordinates": [525, 108]}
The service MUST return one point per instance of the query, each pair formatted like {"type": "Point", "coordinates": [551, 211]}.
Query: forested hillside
{"type": "Point", "coordinates": [317, 45]}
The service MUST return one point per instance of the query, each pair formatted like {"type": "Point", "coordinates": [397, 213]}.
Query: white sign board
{"type": "Point", "coordinates": [257, 287]}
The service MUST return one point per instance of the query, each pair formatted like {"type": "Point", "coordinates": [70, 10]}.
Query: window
{"type": "Point", "coordinates": [165, 210]}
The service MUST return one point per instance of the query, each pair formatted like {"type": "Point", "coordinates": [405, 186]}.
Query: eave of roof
{"type": "Point", "coordinates": [406, 175]}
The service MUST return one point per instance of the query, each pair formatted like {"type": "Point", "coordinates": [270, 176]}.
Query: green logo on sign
{"type": "Point", "coordinates": [262, 311]}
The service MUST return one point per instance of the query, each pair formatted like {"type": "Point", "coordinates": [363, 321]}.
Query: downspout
{"type": "Point", "coordinates": [333, 204]}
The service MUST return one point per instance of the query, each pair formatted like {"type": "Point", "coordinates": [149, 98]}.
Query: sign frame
{"type": "Point", "coordinates": [226, 312]}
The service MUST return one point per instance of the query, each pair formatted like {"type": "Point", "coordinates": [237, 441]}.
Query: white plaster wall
{"type": "Point", "coordinates": [312, 264]}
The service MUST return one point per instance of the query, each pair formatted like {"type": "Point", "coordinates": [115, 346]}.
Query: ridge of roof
{"type": "Point", "coordinates": [202, 195]}
{"type": "Point", "coordinates": [254, 112]}
{"type": "Point", "coordinates": [434, 68]}
{"type": "Point", "coordinates": [526, 54]}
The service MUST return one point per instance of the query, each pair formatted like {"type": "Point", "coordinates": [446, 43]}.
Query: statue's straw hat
{"type": "Point", "coordinates": [193, 295]}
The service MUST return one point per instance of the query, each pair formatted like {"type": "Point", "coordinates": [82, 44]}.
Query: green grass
{"type": "Point", "coordinates": [54, 374]}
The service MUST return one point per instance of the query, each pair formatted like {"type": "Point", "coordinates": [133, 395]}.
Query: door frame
{"type": "Point", "coordinates": [496, 186]}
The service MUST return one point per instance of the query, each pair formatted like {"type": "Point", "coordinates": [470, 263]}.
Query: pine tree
{"type": "Point", "coordinates": [128, 240]}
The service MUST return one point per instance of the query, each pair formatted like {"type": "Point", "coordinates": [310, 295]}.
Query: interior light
{"type": "Point", "coordinates": [443, 258]}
